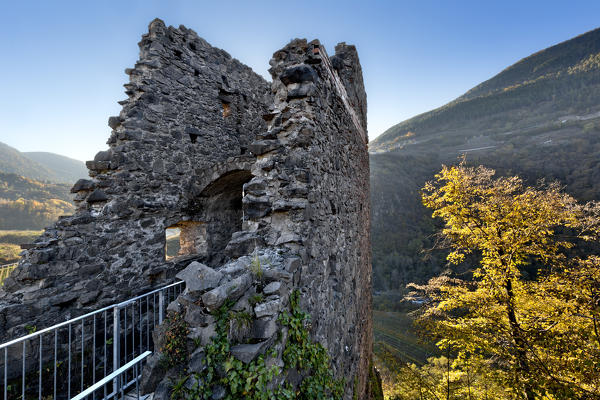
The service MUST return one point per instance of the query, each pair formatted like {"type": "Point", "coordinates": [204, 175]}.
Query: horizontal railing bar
{"type": "Point", "coordinates": [112, 376]}
{"type": "Point", "coordinates": [65, 323]}
{"type": "Point", "coordinates": [124, 387]}
{"type": "Point", "coordinates": [129, 301]}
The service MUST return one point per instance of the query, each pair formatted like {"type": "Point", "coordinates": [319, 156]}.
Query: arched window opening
{"type": "Point", "coordinates": [209, 221]}
{"type": "Point", "coordinates": [222, 204]}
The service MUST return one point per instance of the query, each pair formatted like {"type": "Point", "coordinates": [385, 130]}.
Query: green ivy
{"type": "Point", "coordinates": [307, 356]}
{"type": "Point", "coordinates": [251, 381]}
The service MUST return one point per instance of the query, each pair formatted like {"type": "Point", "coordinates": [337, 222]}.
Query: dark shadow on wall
{"type": "Point", "coordinates": [206, 226]}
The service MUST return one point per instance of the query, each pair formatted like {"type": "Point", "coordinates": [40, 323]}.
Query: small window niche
{"type": "Point", "coordinates": [226, 99]}
{"type": "Point", "coordinates": [193, 137]}
{"type": "Point", "coordinates": [185, 238]}
{"type": "Point", "coordinates": [226, 109]}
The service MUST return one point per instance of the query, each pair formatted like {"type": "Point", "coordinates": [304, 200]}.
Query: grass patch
{"type": "Point", "coordinates": [18, 237]}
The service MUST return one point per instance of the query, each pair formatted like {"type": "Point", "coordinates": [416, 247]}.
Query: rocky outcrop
{"type": "Point", "coordinates": [269, 186]}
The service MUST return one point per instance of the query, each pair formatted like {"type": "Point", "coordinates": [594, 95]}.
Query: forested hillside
{"type": "Point", "coordinates": [539, 118]}
{"type": "Point", "coordinates": [29, 204]}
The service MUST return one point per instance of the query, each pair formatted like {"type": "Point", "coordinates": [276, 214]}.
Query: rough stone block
{"type": "Point", "coordinates": [298, 74]}
{"type": "Point", "coordinates": [231, 290]}
{"type": "Point", "coordinates": [97, 196]}
{"type": "Point", "coordinates": [248, 352]}
{"type": "Point", "coordinates": [264, 328]}
{"type": "Point", "coordinates": [267, 309]}
{"type": "Point", "coordinates": [82, 184]}
{"type": "Point", "coordinates": [197, 363]}
{"type": "Point", "coordinates": [203, 334]}
{"type": "Point", "coordinates": [152, 374]}
{"type": "Point", "coordinates": [272, 288]}
{"type": "Point", "coordinates": [199, 278]}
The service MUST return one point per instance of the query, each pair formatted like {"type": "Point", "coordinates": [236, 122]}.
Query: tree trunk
{"type": "Point", "coordinates": [523, 370]}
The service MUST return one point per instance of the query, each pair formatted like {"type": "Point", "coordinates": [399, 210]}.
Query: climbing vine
{"type": "Point", "coordinates": [308, 356]}
{"type": "Point", "coordinates": [251, 381]}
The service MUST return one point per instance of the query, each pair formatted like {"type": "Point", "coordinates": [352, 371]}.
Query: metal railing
{"type": "Point", "coordinates": [117, 375]}
{"type": "Point", "coordinates": [5, 271]}
{"type": "Point", "coordinates": [62, 361]}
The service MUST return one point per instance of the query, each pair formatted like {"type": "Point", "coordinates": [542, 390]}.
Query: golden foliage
{"type": "Point", "coordinates": [539, 336]}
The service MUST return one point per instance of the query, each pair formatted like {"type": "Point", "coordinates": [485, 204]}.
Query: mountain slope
{"type": "Point", "coordinates": [556, 84]}
{"type": "Point", "coordinates": [29, 204]}
{"type": "Point", "coordinates": [41, 166]}
{"type": "Point", "coordinates": [557, 59]}
{"type": "Point", "coordinates": [67, 169]}
{"type": "Point", "coordinates": [13, 161]}
{"type": "Point", "coordinates": [539, 118]}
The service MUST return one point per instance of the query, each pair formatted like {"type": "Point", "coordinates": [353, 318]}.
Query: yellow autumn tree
{"type": "Point", "coordinates": [538, 331]}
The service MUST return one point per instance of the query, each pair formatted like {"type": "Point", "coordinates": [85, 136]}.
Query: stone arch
{"type": "Point", "coordinates": [208, 176]}
{"type": "Point", "coordinates": [213, 212]}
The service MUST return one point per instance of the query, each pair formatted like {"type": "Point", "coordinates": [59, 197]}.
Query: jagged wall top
{"type": "Point", "coordinates": [347, 79]}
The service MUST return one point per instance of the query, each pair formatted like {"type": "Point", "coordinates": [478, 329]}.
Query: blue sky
{"type": "Point", "coordinates": [63, 62]}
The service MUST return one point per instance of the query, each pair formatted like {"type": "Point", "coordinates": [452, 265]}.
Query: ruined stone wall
{"type": "Point", "coordinates": [317, 185]}
{"type": "Point", "coordinates": [270, 183]}
{"type": "Point", "coordinates": [190, 115]}
{"type": "Point", "coordinates": [307, 212]}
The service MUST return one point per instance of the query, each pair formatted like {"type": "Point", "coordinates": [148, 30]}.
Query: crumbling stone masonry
{"type": "Point", "coordinates": [255, 175]}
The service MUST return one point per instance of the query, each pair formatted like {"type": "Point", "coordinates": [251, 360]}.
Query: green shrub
{"type": "Point", "coordinates": [251, 381]}
{"type": "Point", "coordinates": [174, 349]}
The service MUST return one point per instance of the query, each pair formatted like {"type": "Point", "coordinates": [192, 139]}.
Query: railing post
{"type": "Point", "coordinates": [116, 345]}
{"type": "Point", "coordinates": [161, 306]}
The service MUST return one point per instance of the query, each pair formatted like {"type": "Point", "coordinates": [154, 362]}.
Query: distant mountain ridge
{"type": "Point", "coordinates": [67, 169]}
{"type": "Point", "coordinates": [41, 166]}
{"type": "Point", "coordinates": [562, 80]}
{"type": "Point", "coordinates": [539, 118]}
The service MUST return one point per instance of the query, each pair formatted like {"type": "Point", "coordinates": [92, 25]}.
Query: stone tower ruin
{"type": "Point", "coordinates": [248, 171]}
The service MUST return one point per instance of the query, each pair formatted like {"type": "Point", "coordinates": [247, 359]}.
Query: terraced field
{"type": "Point", "coordinates": [395, 330]}
{"type": "Point", "coordinates": [395, 344]}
